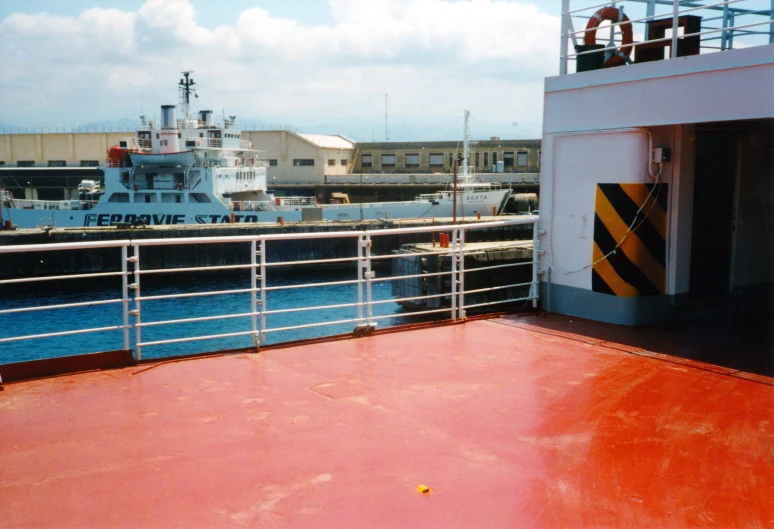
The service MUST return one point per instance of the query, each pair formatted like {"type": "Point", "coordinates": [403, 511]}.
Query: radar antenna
{"type": "Point", "coordinates": [186, 90]}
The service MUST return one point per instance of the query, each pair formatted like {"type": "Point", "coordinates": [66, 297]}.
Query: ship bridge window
{"type": "Point", "coordinates": [171, 198]}
{"type": "Point", "coordinates": [303, 162]}
{"type": "Point", "coordinates": [521, 159]}
{"type": "Point", "coordinates": [201, 198]}
{"type": "Point", "coordinates": [145, 197]}
{"type": "Point", "coordinates": [119, 197]}
{"type": "Point", "coordinates": [436, 160]}
{"type": "Point", "coordinates": [366, 160]}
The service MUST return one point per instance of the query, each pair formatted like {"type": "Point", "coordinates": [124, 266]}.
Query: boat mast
{"type": "Point", "coordinates": [185, 93]}
{"type": "Point", "coordinates": [465, 146]}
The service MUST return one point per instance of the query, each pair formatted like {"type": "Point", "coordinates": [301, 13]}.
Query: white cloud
{"type": "Point", "coordinates": [434, 57]}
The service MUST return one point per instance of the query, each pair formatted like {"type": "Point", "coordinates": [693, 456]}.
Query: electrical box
{"type": "Point", "coordinates": [661, 154]}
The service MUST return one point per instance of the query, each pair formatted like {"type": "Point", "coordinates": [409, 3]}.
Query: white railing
{"type": "Point", "coordinates": [431, 178]}
{"type": "Point", "coordinates": [22, 203]}
{"type": "Point", "coordinates": [723, 24]}
{"type": "Point", "coordinates": [260, 305]}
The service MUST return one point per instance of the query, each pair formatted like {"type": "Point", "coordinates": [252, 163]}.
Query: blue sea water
{"type": "Point", "coordinates": [50, 321]}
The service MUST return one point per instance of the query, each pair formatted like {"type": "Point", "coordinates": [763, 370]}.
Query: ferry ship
{"type": "Point", "coordinates": [196, 171]}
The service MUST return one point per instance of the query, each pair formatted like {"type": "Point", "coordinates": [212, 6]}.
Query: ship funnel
{"type": "Point", "coordinates": [168, 117]}
{"type": "Point", "coordinates": [205, 116]}
{"type": "Point", "coordinates": [169, 139]}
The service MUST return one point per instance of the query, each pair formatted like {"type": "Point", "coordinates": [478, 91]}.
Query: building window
{"type": "Point", "coordinates": [89, 163]}
{"type": "Point", "coordinates": [25, 163]}
{"type": "Point", "coordinates": [412, 160]}
{"type": "Point", "coordinates": [436, 160]}
{"type": "Point", "coordinates": [451, 160]}
{"type": "Point", "coordinates": [540, 156]}
{"type": "Point", "coordinates": [272, 162]}
{"type": "Point", "coordinates": [366, 160]}
{"type": "Point", "coordinates": [57, 163]}
{"type": "Point", "coordinates": [476, 159]}
{"type": "Point", "coordinates": [494, 158]}
{"type": "Point", "coordinates": [521, 159]}
{"type": "Point", "coordinates": [486, 159]}
{"type": "Point", "coordinates": [508, 159]}
{"type": "Point", "coordinates": [344, 163]}
{"type": "Point", "coordinates": [303, 162]}
{"type": "Point", "coordinates": [331, 162]}
{"type": "Point", "coordinates": [388, 160]}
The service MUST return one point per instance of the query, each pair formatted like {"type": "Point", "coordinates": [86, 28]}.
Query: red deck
{"type": "Point", "coordinates": [510, 423]}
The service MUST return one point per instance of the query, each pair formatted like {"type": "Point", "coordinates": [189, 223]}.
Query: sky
{"type": "Point", "coordinates": [318, 66]}
{"type": "Point", "coordinates": [322, 66]}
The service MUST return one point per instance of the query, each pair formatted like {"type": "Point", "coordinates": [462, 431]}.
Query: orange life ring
{"type": "Point", "coordinates": [614, 15]}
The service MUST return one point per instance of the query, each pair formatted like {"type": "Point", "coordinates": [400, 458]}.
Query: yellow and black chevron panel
{"type": "Point", "coordinates": [638, 266]}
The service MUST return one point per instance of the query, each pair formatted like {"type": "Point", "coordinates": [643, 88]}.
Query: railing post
{"type": "Point", "coordinates": [675, 26]}
{"type": "Point", "coordinates": [461, 271]}
{"type": "Point", "coordinates": [453, 278]}
{"type": "Point", "coordinates": [535, 258]}
{"type": "Point", "coordinates": [360, 265]}
{"type": "Point", "coordinates": [125, 293]}
{"type": "Point", "coordinates": [263, 290]}
{"type": "Point", "coordinates": [724, 35]}
{"type": "Point", "coordinates": [136, 311]}
{"type": "Point", "coordinates": [254, 293]}
{"type": "Point", "coordinates": [771, 24]}
{"type": "Point", "coordinates": [368, 278]}
{"type": "Point", "coordinates": [563, 47]}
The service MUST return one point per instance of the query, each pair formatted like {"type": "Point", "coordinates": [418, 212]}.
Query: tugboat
{"type": "Point", "coordinates": [196, 171]}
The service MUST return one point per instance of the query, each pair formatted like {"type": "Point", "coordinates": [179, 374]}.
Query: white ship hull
{"type": "Point", "coordinates": [107, 214]}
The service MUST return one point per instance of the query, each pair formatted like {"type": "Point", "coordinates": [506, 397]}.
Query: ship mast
{"type": "Point", "coordinates": [465, 146]}
{"type": "Point", "coordinates": [185, 93]}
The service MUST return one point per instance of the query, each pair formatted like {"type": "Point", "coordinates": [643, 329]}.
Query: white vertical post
{"type": "Point", "coordinates": [368, 277]}
{"type": "Point", "coordinates": [535, 256]}
{"type": "Point", "coordinates": [675, 26]}
{"type": "Point", "coordinates": [125, 293]}
{"type": "Point", "coordinates": [263, 290]}
{"type": "Point", "coordinates": [563, 46]}
{"type": "Point", "coordinates": [461, 271]}
{"type": "Point", "coordinates": [253, 293]}
{"type": "Point", "coordinates": [771, 25]}
{"type": "Point", "coordinates": [650, 11]}
{"type": "Point", "coordinates": [724, 35]}
{"type": "Point", "coordinates": [138, 314]}
{"type": "Point", "coordinates": [453, 282]}
{"type": "Point", "coordinates": [360, 265]}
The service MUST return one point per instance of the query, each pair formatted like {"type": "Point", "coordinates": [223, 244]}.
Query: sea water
{"type": "Point", "coordinates": [95, 316]}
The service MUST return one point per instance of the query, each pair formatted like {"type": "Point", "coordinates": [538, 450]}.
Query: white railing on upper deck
{"type": "Point", "coordinates": [431, 178]}
{"type": "Point", "coordinates": [453, 298]}
{"type": "Point", "coordinates": [22, 203]}
{"type": "Point", "coordinates": [724, 24]}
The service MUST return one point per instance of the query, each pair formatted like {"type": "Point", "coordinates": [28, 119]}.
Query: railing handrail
{"type": "Point", "coordinates": [365, 320]}
{"type": "Point", "coordinates": [728, 31]}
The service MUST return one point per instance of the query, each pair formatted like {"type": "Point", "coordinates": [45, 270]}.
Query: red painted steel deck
{"type": "Point", "coordinates": [510, 423]}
